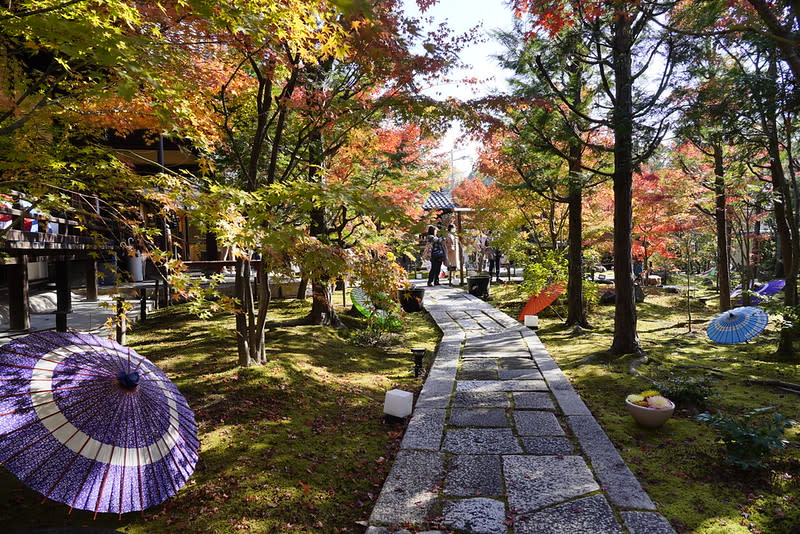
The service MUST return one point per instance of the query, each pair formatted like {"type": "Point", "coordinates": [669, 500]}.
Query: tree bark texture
{"type": "Point", "coordinates": [721, 220]}
{"type": "Point", "coordinates": [576, 309]}
{"type": "Point", "coordinates": [626, 339]}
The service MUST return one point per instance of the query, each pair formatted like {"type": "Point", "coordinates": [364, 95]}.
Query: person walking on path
{"type": "Point", "coordinates": [494, 255]}
{"type": "Point", "coordinates": [436, 245]}
{"type": "Point", "coordinates": [451, 248]}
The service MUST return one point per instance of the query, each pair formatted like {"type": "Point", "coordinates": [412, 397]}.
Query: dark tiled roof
{"type": "Point", "coordinates": [439, 200]}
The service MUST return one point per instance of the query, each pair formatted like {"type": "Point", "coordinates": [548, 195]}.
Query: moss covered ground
{"type": "Point", "coordinates": [680, 465]}
{"type": "Point", "coordinates": [296, 445]}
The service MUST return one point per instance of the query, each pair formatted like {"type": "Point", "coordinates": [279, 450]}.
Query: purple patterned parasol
{"type": "Point", "coordinates": [91, 423]}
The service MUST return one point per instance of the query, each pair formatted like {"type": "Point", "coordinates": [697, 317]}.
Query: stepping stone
{"type": "Point", "coordinates": [477, 516]}
{"type": "Point", "coordinates": [472, 475]}
{"type": "Point", "coordinates": [478, 374]}
{"type": "Point", "coordinates": [646, 523]}
{"type": "Point", "coordinates": [523, 385]}
{"type": "Point", "coordinates": [407, 495]}
{"type": "Point", "coordinates": [481, 364]}
{"type": "Point", "coordinates": [516, 363]}
{"type": "Point", "coordinates": [548, 446]}
{"type": "Point", "coordinates": [479, 385]}
{"type": "Point", "coordinates": [495, 417]}
{"type": "Point", "coordinates": [533, 400]}
{"type": "Point", "coordinates": [533, 482]}
{"type": "Point", "coordinates": [591, 515]}
{"type": "Point", "coordinates": [521, 374]}
{"type": "Point", "coordinates": [481, 399]}
{"type": "Point", "coordinates": [425, 430]}
{"type": "Point", "coordinates": [537, 424]}
{"type": "Point", "coordinates": [481, 441]}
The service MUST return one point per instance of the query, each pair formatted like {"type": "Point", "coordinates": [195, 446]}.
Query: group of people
{"type": "Point", "coordinates": [443, 250]}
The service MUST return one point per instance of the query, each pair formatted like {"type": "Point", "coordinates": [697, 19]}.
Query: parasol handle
{"type": "Point", "coordinates": [128, 381]}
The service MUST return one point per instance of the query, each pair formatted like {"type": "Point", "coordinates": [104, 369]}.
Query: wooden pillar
{"type": "Point", "coordinates": [460, 248]}
{"type": "Point", "coordinates": [91, 280]}
{"type": "Point", "coordinates": [212, 248]}
{"type": "Point", "coordinates": [186, 252]}
{"type": "Point", "coordinates": [63, 294]}
{"type": "Point", "coordinates": [18, 297]}
{"type": "Point", "coordinates": [143, 304]}
{"type": "Point", "coordinates": [122, 323]}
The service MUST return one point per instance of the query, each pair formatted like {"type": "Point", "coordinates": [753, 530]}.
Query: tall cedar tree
{"type": "Point", "coordinates": [618, 31]}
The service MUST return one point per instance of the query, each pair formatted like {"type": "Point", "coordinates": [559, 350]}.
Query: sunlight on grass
{"type": "Point", "coordinates": [296, 445]}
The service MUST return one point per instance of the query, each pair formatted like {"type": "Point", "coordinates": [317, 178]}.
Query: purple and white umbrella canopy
{"type": "Point", "coordinates": [91, 423]}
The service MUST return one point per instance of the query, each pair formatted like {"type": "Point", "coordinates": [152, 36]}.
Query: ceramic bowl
{"type": "Point", "coordinates": [650, 417]}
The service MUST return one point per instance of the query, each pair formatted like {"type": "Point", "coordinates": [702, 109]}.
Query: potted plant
{"type": "Point", "coordinates": [410, 297]}
{"type": "Point", "coordinates": [649, 408]}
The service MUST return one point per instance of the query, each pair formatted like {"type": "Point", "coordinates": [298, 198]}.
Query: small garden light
{"type": "Point", "coordinates": [419, 356]}
{"type": "Point", "coordinates": [397, 404]}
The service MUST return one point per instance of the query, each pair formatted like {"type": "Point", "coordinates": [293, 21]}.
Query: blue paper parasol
{"type": "Point", "coordinates": [91, 423]}
{"type": "Point", "coordinates": [737, 325]}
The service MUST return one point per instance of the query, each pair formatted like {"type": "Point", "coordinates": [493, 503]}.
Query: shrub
{"type": "Point", "coordinates": [750, 438]}
{"type": "Point", "coordinates": [687, 390]}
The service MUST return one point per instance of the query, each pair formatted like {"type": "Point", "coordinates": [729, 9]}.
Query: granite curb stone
{"type": "Point", "coordinates": [618, 481]}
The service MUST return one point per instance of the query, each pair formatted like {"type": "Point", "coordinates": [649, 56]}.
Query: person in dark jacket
{"type": "Point", "coordinates": [436, 245]}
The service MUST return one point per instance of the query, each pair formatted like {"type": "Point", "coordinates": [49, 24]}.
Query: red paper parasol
{"type": "Point", "coordinates": [544, 299]}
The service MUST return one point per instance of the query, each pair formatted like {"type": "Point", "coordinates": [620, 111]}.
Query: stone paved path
{"type": "Point", "coordinates": [500, 442]}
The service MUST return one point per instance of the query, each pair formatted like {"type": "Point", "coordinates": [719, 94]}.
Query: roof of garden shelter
{"type": "Point", "coordinates": [439, 200]}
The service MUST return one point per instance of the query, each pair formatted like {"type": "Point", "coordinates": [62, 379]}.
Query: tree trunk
{"type": "Point", "coordinates": [322, 310]}
{"type": "Point", "coordinates": [301, 288]}
{"type": "Point", "coordinates": [242, 334]}
{"type": "Point", "coordinates": [576, 309]}
{"type": "Point", "coordinates": [785, 219]}
{"type": "Point", "coordinates": [626, 339]}
{"type": "Point", "coordinates": [721, 219]}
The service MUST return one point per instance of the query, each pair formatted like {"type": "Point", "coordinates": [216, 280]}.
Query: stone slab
{"type": "Point", "coordinates": [480, 364]}
{"type": "Point", "coordinates": [478, 374]}
{"type": "Point", "coordinates": [473, 475]}
{"type": "Point", "coordinates": [479, 385]}
{"type": "Point", "coordinates": [533, 401]}
{"type": "Point", "coordinates": [425, 430]}
{"type": "Point", "coordinates": [618, 481]}
{"type": "Point", "coordinates": [521, 374]}
{"type": "Point", "coordinates": [534, 482]}
{"type": "Point", "coordinates": [536, 423]}
{"type": "Point", "coordinates": [591, 515]}
{"type": "Point", "coordinates": [516, 363]}
{"type": "Point", "coordinates": [481, 399]}
{"type": "Point", "coordinates": [492, 417]}
{"type": "Point", "coordinates": [646, 523]}
{"type": "Point", "coordinates": [477, 516]}
{"type": "Point", "coordinates": [547, 446]}
{"type": "Point", "coordinates": [481, 441]}
{"type": "Point", "coordinates": [407, 495]}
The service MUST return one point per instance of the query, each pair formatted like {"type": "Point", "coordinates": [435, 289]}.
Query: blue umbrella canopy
{"type": "Point", "coordinates": [737, 325]}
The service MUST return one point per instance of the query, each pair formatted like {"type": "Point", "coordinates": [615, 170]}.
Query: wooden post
{"type": "Point", "coordinates": [143, 304]}
{"type": "Point", "coordinates": [122, 323]}
{"type": "Point", "coordinates": [18, 297]}
{"type": "Point", "coordinates": [63, 294]}
{"type": "Point", "coordinates": [460, 249]}
{"type": "Point", "coordinates": [91, 280]}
